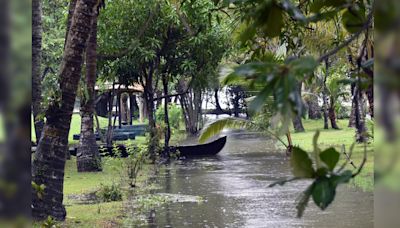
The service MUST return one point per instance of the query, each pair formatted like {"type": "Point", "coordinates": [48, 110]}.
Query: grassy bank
{"type": "Point", "coordinates": [76, 128]}
{"type": "Point", "coordinates": [91, 215]}
{"type": "Point", "coordinates": [99, 214]}
{"type": "Point", "coordinates": [337, 138]}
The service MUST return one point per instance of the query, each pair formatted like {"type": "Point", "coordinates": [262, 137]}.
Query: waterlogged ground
{"type": "Point", "coordinates": [231, 190]}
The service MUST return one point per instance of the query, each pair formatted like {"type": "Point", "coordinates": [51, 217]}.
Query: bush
{"type": "Point", "coordinates": [342, 112]}
{"type": "Point", "coordinates": [174, 113]}
{"type": "Point", "coordinates": [109, 193]}
{"type": "Point", "coordinates": [134, 162]}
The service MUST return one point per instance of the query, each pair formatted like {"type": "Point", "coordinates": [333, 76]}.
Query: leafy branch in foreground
{"type": "Point", "coordinates": [217, 126]}
{"type": "Point", "coordinates": [321, 171]}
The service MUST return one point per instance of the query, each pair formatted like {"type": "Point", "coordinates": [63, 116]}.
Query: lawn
{"type": "Point", "coordinates": [76, 128]}
{"type": "Point", "coordinates": [92, 215]}
{"type": "Point", "coordinates": [101, 214]}
{"type": "Point", "coordinates": [337, 138]}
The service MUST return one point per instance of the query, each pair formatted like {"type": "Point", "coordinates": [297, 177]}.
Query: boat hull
{"type": "Point", "coordinates": [208, 149]}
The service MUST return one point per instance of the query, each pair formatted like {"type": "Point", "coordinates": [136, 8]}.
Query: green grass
{"type": "Point", "coordinates": [75, 127]}
{"type": "Point", "coordinates": [109, 214]}
{"type": "Point", "coordinates": [92, 215]}
{"type": "Point", "coordinates": [78, 183]}
{"type": "Point", "coordinates": [95, 215]}
{"type": "Point", "coordinates": [336, 138]}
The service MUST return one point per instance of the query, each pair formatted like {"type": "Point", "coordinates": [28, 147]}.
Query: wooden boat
{"type": "Point", "coordinates": [207, 149]}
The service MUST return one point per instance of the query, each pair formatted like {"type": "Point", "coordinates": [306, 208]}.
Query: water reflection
{"type": "Point", "coordinates": [234, 186]}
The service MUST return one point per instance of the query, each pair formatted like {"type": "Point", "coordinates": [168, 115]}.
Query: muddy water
{"type": "Point", "coordinates": [234, 190]}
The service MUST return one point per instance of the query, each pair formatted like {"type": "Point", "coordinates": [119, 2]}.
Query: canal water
{"type": "Point", "coordinates": [233, 192]}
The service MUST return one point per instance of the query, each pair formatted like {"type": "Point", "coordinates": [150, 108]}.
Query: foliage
{"type": "Point", "coordinates": [134, 162]}
{"type": "Point", "coordinates": [54, 20]}
{"type": "Point", "coordinates": [174, 113]}
{"type": "Point", "coordinates": [216, 127]}
{"type": "Point", "coordinates": [275, 78]}
{"type": "Point", "coordinates": [39, 189]}
{"type": "Point", "coordinates": [109, 193]}
{"type": "Point", "coordinates": [50, 222]}
{"type": "Point", "coordinates": [322, 171]}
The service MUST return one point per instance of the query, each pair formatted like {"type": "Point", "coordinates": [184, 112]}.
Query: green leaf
{"type": "Point", "coordinates": [303, 65]}
{"type": "Point", "coordinates": [301, 164]}
{"type": "Point", "coordinates": [317, 5]}
{"type": "Point", "coordinates": [343, 177]}
{"type": "Point", "coordinates": [330, 157]}
{"type": "Point", "coordinates": [274, 22]}
{"type": "Point", "coordinates": [323, 192]}
{"type": "Point", "coordinates": [216, 127]}
{"type": "Point", "coordinates": [353, 19]}
{"type": "Point", "coordinates": [303, 199]}
{"type": "Point", "coordinates": [257, 103]}
{"type": "Point", "coordinates": [322, 171]}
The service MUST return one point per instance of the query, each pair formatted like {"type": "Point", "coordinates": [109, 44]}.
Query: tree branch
{"type": "Point", "coordinates": [348, 41]}
{"type": "Point", "coordinates": [362, 163]}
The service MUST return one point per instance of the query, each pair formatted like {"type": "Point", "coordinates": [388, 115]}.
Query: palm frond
{"type": "Point", "coordinates": [217, 126]}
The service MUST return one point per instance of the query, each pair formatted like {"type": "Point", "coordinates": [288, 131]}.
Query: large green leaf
{"type": "Point", "coordinates": [301, 164]}
{"type": "Point", "coordinates": [216, 127]}
{"type": "Point", "coordinates": [341, 178]}
{"type": "Point", "coordinates": [317, 5]}
{"type": "Point", "coordinates": [330, 157]}
{"type": "Point", "coordinates": [303, 65]}
{"type": "Point", "coordinates": [323, 192]}
{"type": "Point", "coordinates": [353, 19]}
{"type": "Point", "coordinates": [274, 22]}
{"type": "Point", "coordinates": [303, 199]}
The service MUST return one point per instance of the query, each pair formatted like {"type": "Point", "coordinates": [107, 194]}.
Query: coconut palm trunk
{"type": "Point", "coordinates": [332, 114]}
{"type": "Point", "coordinates": [88, 157]}
{"type": "Point", "coordinates": [36, 62]}
{"type": "Point", "coordinates": [297, 122]}
{"type": "Point", "coordinates": [49, 161]}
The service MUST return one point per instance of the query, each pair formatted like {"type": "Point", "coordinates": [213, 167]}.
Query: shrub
{"type": "Point", "coordinates": [134, 162]}
{"type": "Point", "coordinates": [174, 113]}
{"type": "Point", "coordinates": [109, 193]}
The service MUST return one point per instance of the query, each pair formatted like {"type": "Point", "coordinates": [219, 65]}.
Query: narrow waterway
{"type": "Point", "coordinates": [234, 190]}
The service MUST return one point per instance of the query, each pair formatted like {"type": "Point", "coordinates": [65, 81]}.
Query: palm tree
{"type": "Point", "coordinates": [36, 61]}
{"type": "Point", "coordinates": [335, 90]}
{"type": "Point", "coordinates": [88, 157]}
{"type": "Point", "coordinates": [49, 161]}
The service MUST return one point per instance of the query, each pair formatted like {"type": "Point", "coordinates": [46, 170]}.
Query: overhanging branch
{"type": "Point", "coordinates": [348, 41]}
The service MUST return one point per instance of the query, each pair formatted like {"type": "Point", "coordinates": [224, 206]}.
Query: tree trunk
{"type": "Point", "coordinates": [49, 161]}
{"type": "Point", "coordinates": [88, 156]}
{"type": "Point", "coordinates": [352, 118]}
{"type": "Point", "coordinates": [142, 107]}
{"type": "Point", "coordinates": [36, 63]}
{"type": "Point", "coordinates": [191, 106]}
{"type": "Point", "coordinates": [314, 110]}
{"type": "Point", "coordinates": [71, 10]}
{"type": "Point", "coordinates": [166, 117]}
{"type": "Point", "coordinates": [332, 114]}
{"type": "Point", "coordinates": [370, 95]}
{"type": "Point", "coordinates": [149, 100]}
{"type": "Point", "coordinates": [297, 122]}
{"type": "Point", "coordinates": [15, 182]}
{"type": "Point", "coordinates": [359, 116]}
{"type": "Point", "coordinates": [325, 97]}
{"type": "Point", "coordinates": [236, 100]}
